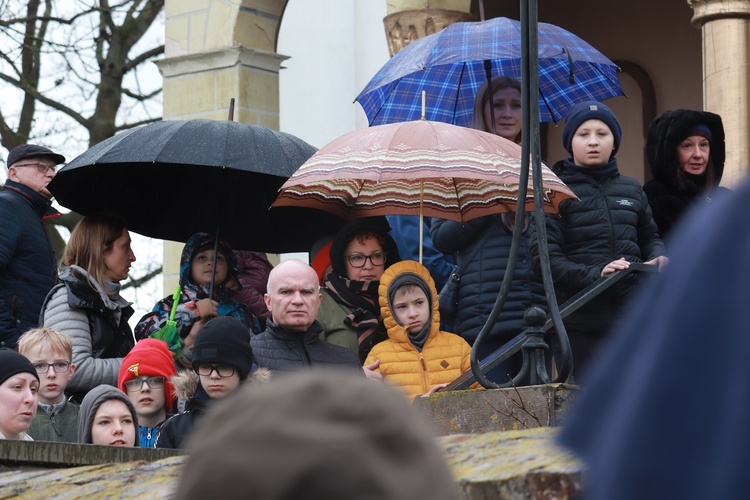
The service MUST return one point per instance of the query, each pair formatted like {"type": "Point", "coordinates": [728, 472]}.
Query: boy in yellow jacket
{"type": "Point", "coordinates": [418, 358]}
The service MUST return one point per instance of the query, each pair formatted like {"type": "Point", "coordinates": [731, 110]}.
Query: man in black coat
{"type": "Point", "coordinates": [27, 261]}
{"type": "Point", "coordinates": [291, 341]}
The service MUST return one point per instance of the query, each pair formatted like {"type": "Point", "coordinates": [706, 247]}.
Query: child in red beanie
{"type": "Point", "coordinates": [145, 376]}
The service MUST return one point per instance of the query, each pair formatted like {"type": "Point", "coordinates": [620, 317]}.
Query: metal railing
{"type": "Point", "coordinates": [533, 342]}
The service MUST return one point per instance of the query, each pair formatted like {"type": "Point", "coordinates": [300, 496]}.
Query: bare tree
{"type": "Point", "coordinates": [70, 74]}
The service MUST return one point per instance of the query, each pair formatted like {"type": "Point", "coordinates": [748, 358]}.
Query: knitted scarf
{"type": "Point", "coordinates": [365, 320]}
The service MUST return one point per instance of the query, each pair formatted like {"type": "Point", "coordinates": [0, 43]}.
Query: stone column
{"type": "Point", "coordinates": [725, 25]}
{"type": "Point", "coordinates": [215, 51]}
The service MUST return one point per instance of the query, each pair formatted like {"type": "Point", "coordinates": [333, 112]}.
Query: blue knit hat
{"type": "Point", "coordinates": [590, 110]}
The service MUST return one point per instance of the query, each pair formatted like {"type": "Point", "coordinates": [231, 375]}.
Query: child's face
{"type": "Point", "coordinates": [200, 268]}
{"type": "Point", "coordinates": [216, 386]}
{"type": "Point", "coordinates": [149, 401]}
{"type": "Point", "coordinates": [113, 425]}
{"type": "Point", "coordinates": [411, 308]}
{"type": "Point", "coordinates": [18, 396]}
{"type": "Point", "coordinates": [592, 144]}
{"type": "Point", "coordinates": [52, 383]}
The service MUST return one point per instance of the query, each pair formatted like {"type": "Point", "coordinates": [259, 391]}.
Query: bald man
{"type": "Point", "coordinates": [291, 341]}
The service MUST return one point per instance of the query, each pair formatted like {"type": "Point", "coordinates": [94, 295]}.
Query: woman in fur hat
{"type": "Point", "coordinates": [685, 150]}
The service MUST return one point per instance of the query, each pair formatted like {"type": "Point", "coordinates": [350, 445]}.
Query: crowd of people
{"type": "Point", "coordinates": [72, 369]}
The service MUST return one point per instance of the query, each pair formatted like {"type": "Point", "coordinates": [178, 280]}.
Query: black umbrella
{"type": "Point", "coordinates": [171, 179]}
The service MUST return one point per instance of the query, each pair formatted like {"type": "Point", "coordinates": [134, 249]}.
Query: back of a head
{"type": "Point", "coordinates": [314, 436]}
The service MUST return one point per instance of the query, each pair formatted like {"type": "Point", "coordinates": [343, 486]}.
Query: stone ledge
{"type": "Point", "coordinates": [513, 465]}
{"type": "Point", "coordinates": [480, 411]}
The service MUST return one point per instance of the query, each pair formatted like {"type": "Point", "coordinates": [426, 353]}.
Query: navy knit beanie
{"type": "Point", "coordinates": [12, 363]}
{"type": "Point", "coordinates": [590, 110]}
{"type": "Point", "coordinates": [224, 341]}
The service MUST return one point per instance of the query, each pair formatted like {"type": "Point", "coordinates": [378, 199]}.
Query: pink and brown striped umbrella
{"type": "Point", "coordinates": [420, 167]}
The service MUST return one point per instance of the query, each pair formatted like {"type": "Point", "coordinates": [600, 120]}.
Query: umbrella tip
{"type": "Point", "coordinates": [424, 99]}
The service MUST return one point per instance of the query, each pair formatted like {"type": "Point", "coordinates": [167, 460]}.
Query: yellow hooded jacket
{"type": "Point", "coordinates": [444, 356]}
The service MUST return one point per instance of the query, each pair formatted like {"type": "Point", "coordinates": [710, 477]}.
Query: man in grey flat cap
{"type": "Point", "coordinates": [27, 261]}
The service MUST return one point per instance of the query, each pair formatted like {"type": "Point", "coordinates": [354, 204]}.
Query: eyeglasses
{"type": "Point", "coordinates": [222, 370]}
{"type": "Point", "coordinates": [359, 260]}
{"type": "Point", "coordinates": [137, 383]}
{"type": "Point", "coordinates": [42, 167]}
{"type": "Point", "coordinates": [58, 366]}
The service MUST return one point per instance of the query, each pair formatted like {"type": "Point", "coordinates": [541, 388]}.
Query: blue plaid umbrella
{"type": "Point", "coordinates": [450, 66]}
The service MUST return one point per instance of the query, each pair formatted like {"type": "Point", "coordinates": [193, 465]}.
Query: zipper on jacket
{"type": "Point", "coordinates": [425, 388]}
{"type": "Point", "coordinates": [54, 425]}
{"type": "Point", "coordinates": [609, 223]}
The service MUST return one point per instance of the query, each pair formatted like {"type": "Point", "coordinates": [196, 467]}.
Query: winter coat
{"type": "Point", "coordinates": [280, 350]}
{"type": "Point", "coordinates": [642, 431]}
{"type": "Point", "coordinates": [444, 356]}
{"type": "Point", "coordinates": [91, 403]}
{"type": "Point", "coordinates": [61, 426]}
{"type": "Point", "coordinates": [97, 324]}
{"type": "Point", "coordinates": [27, 261]}
{"type": "Point", "coordinates": [671, 193]}
{"type": "Point", "coordinates": [483, 246]}
{"type": "Point", "coordinates": [177, 429]}
{"type": "Point", "coordinates": [253, 268]}
{"type": "Point", "coordinates": [147, 436]}
{"type": "Point", "coordinates": [331, 316]}
{"type": "Point", "coordinates": [611, 219]}
{"type": "Point", "coordinates": [187, 313]}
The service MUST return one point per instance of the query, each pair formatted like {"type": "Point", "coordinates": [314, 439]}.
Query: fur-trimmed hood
{"type": "Point", "coordinates": [668, 130]}
{"type": "Point", "coordinates": [186, 382]}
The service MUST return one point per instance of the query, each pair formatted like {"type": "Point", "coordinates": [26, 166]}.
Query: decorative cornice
{"type": "Point", "coordinates": [402, 28]}
{"type": "Point", "coordinates": [708, 10]}
{"type": "Point", "coordinates": [220, 59]}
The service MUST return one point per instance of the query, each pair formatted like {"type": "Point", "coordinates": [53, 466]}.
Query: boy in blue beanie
{"type": "Point", "coordinates": [606, 229]}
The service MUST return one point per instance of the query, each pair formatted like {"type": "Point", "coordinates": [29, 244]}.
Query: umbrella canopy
{"type": "Point", "coordinates": [450, 67]}
{"type": "Point", "coordinates": [431, 168]}
{"type": "Point", "coordinates": [171, 179]}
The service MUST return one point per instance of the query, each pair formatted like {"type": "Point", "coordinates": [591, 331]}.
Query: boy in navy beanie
{"type": "Point", "coordinates": [602, 232]}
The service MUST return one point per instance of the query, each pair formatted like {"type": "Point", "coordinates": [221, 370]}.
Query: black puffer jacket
{"type": "Point", "coordinates": [483, 247]}
{"type": "Point", "coordinates": [176, 430]}
{"type": "Point", "coordinates": [611, 219]}
{"type": "Point", "coordinates": [27, 262]}
{"type": "Point", "coordinates": [280, 350]}
{"type": "Point", "coordinates": [671, 192]}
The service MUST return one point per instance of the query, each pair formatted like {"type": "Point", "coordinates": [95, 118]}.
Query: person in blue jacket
{"type": "Point", "coordinates": [28, 268]}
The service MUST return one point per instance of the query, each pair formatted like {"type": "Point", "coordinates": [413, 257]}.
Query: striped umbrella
{"type": "Point", "coordinates": [416, 168]}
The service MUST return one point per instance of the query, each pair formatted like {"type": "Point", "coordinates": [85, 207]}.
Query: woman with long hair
{"type": "Point", "coordinates": [86, 304]}
{"type": "Point", "coordinates": [482, 245]}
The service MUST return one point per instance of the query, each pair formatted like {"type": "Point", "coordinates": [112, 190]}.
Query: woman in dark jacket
{"type": "Point", "coordinates": [483, 247]}
{"type": "Point", "coordinates": [87, 305]}
{"type": "Point", "coordinates": [685, 150]}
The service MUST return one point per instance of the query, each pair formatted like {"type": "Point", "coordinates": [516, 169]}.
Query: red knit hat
{"type": "Point", "coordinates": [149, 357]}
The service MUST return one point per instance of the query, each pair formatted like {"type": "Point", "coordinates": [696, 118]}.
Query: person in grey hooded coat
{"type": "Point", "coordinates": [91, 404]}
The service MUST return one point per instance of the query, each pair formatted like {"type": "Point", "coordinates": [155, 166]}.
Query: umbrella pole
{"type": "Point", "coordinates": [213, 265]}
{"type": "Point", "coordinates": [421, 219]}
